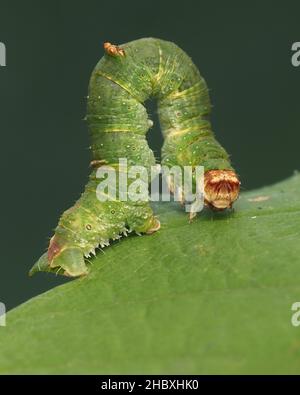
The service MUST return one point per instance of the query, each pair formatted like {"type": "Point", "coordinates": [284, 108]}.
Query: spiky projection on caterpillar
{"type": "Point", "coordinates": [118, 122]}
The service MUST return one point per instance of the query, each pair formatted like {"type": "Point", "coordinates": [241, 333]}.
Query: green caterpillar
{"type": "Point", "coordinates": [121, 82]}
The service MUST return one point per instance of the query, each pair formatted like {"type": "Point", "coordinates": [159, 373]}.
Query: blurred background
{"type": "Point", "coordinates": [243, 49]}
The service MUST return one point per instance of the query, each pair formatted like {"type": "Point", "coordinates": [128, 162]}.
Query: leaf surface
{"type": "Point", "coordinates": [213, 296]}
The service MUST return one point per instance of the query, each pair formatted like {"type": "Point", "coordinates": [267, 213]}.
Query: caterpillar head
{"type": "Point", "coordinates": [221, 188]}
{"type": "Point", "coordinates": [75, 238]}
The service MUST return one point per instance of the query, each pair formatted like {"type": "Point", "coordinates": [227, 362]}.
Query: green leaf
{"type": "Point", "coordinates": [213, 296]}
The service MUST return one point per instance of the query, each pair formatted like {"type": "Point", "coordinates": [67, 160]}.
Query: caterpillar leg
{"type": "Point", "coordinates": [177, 191]}
{"type": "Point", "coordinates": [154, 227]}
{"type": "Point", "coordinates": [142, 220]}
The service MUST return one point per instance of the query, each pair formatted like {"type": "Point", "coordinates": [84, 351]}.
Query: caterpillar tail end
{"type": "Point", "coordinates": [221, 189]}
{"type": "Point", "coordinates": [42, 265]}
{"type": "Point", "coordinates": [67, 261]}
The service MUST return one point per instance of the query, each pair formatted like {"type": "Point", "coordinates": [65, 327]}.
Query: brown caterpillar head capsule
{"type": "Point", "coordinates": [113, 50]}
{"type": "Point", "coordinates": [221, 188]}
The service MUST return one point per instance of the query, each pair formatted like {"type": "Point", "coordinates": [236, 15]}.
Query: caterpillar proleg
{"type": "Point", "coordinates": [121, 82]}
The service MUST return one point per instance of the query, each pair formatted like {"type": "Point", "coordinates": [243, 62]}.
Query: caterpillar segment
{"type": "Point", "coordinates": [124, 78]}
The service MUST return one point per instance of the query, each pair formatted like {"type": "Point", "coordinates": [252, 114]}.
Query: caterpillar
{"type": "Point", "coordinates": [124, 78]}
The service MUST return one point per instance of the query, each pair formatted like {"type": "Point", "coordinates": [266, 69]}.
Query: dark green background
{"type": "Point", "coordinates": [243, 49]}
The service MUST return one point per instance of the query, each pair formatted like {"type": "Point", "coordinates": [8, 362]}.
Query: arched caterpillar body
{"type": "Point", "coordinates": [118, 122]}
